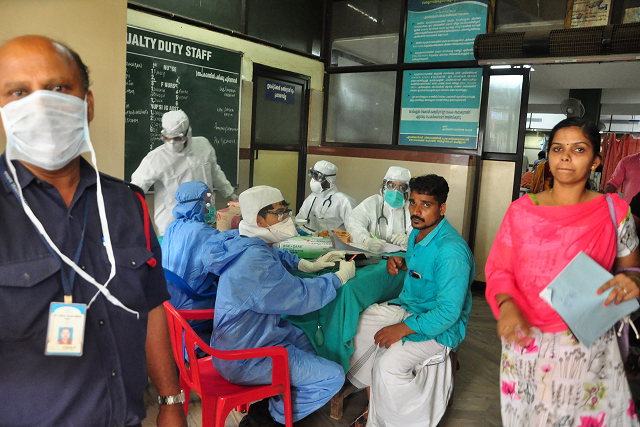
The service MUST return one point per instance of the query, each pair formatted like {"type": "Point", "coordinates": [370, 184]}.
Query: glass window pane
{"type": "Point", "coordinates": [360, 107]}
{"type": "Point", "coordinates": [296, 24]}
{"type": "Point", "coordinates": [223, 13]}
{"type": "Point", "coordinates": [278, 120]}
{"type": "Point", "coordinates": [528, 15]}
{"type": "Point", "coordinates": [365, 32]}
{"type": "Point", "coordinates": [503, 114]}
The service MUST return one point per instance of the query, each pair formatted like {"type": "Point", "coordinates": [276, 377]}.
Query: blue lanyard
{"type": "Point", "coordinates": [67, 281]}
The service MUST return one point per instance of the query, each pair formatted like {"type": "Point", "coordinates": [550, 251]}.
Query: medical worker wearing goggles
{"type": "Point", "coordinates": [181, 158]}
{"type": "Point", "coordinates": [255, 290]}
{"type": "Point", "coordinates": [384, 217]}
{"type": "Point", "coordinates": [326, 208]}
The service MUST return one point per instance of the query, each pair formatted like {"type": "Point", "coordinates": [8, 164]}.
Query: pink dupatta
{"type": "Point", "coordinates": [535, 243]}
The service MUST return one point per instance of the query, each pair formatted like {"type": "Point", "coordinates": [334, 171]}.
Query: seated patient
{"type": "Point", "coordinates": [383, 217]}
{"type": "Point", "coordinates": [326, 208]}
{"type": "Point", "coordinates": [255, 290]}
{"type": "Point", "coordinates": [402, 345]}
{"type": "Point", "coordinates": [184, 250]}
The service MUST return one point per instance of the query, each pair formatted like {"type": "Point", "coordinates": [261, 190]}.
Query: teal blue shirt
{"type": "Point", "coordinates": [440, 301]}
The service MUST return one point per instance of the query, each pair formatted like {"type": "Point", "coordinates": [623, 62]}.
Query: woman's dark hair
{"type": "Point", "coordinates": [431, 185]}
{"type": "Point", "coordinates": [589, 130]}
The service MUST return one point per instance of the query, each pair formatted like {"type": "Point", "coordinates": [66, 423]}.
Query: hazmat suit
{"type": "Point", "coordinates": [375, 221]}
{"type": "Point", "coordinates": [326, 208]}
{"type": "Point", "coordinates": [254, 291]}
{"type": "Point", "coordinates": [181, 158]}
{"type": "Point", "coordinates": [184, 251]}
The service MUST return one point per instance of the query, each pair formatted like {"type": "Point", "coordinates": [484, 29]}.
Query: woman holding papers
{"type": "Point", "coordinates": [548, 378]}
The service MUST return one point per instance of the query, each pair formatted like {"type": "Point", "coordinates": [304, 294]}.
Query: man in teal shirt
{"type": "Point", "coordinates": [402, 345]}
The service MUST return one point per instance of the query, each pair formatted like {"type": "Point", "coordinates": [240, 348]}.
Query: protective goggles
{"type": "Point", "coordinates": [318, 176]}
{"type": "Point", "coordinates": [181, 137]}
{"type": "Point", "coordinates": [281, 214]}
{"type": "Point", "coordinates": [208, 199]}
{"type": "Point", "coordinates": [391, 185]}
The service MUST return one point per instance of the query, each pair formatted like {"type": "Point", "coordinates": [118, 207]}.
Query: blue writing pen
{"type": "Point", "coordinates": [414, 274]}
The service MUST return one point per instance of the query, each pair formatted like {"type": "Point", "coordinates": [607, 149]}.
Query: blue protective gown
{"type": "Point", "coordinates": [254, 291]}
{"type": "Point", "coordinates": [184, 250]}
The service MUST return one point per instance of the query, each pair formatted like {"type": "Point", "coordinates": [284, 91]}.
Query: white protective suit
{"type": "Point", "coordinates": [374, 216]}
{"type": "Point", "coordinates": [329, 209]}
{"type": "Point", "coordinates": [167, 169]}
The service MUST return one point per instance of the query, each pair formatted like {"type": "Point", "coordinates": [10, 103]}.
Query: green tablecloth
{"type": "Point", "coordinates": [339, 318]}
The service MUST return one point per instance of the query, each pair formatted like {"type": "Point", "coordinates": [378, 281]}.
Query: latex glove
{"type": "Point", "coordinates": [313, 267]}
{"type": "Point", "coordinates": [233, 196]}
{"type": "Point", "coordinates": [347, 271]}
{"type": "Point", "coordinates": [331, 256]}
{"type": "Point", "coordinates": [400, 239]}
{"type": "Point", "coordinates": [375, 245]}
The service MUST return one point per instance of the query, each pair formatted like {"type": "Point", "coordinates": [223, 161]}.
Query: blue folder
{"type": "Point", "coordinates": [572, 294]}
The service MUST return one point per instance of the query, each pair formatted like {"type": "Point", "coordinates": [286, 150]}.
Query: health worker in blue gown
{"type": "Point", "coordinates": [184, 250]}
{"type": "Point", "coordinates": [255, 290]}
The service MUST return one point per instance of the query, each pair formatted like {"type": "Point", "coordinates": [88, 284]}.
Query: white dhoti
{"type": "Point", "coordinates": [410, 383]}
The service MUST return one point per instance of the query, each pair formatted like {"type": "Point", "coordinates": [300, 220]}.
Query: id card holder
{"type": "Point", "coordinates": [65, 330]}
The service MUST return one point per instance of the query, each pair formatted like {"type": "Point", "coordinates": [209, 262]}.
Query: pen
{"type": "Point", "coordinates": [414, 274]}
{"type": "Point", "coordinates": [351, 259]}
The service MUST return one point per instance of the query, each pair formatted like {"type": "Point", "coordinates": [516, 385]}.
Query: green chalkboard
{"type": "Point", "coordinates": [167, 73]}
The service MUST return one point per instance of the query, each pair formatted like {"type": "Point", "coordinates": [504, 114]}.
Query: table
{"type": "Point", "coordinates": [339, 318]}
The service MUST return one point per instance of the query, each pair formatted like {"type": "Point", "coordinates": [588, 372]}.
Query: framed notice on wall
{"type": "Point", "coordinates": [168, 73]}
{"type": "Point", "coordinates": [590, 13]}
{"type": "Point", "coordinates": [444, 30]}
{"type": "Point", "coordinates": [441, 108]}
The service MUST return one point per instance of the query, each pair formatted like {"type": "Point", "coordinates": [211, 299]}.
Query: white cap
{"type": "Point", "coordinates": [256, 198]}
{"type": "Point", "coordinates": [327, 168]}
{"type": "Point", "coordinates": [396, 173]}
{"type": "Point", "coordinates": [175, 123]}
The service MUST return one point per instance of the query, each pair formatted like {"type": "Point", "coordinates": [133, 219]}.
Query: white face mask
{"type": "Point", "coordinates": [283, 230]}
{"type": "Point", "coordinates": [46, 129]}
{"type": "Point", "coordinates": [316, 186]}
{"type": "Point", "coordinates": [175, 146]}
{"type": "Point", "coordinates": [38, 125]}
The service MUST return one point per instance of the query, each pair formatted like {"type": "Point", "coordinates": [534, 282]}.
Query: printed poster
{"type": "Point", "coordinates": [590, 13]}
{"type": "Point", "coordinates": [444, 30]}
{"type": "Point", "coordinates": [441, 108]}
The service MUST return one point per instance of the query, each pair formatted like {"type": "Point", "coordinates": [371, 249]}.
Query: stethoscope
{"type": "Point", "coordinates": [321, 207]}
{"type": "Point", "coordinates": [386, 220]}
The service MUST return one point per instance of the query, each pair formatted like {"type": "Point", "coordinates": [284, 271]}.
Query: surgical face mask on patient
{"type": "Point", "coordinates": [283, 230]}
{"type": "Point", "coordinates": [50, 129]}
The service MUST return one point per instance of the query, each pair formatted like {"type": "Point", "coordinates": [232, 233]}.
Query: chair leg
{"type": "Point", "coordinates": [244, 408]}
{"type": "Point", "coordinates": [288, 413]}
{"type": "Point", "coordinates": [337, 401]}
{"type": "Point", "coordinates": [187, 394]}
{"type": "Point", "coordinates": [209, 411]}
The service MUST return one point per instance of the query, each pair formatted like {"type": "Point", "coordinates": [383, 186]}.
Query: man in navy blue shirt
{"type": "Point", "coordinates": [71, 236]}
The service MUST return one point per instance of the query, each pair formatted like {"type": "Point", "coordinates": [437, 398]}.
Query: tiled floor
{"type": "Point", "coordinates": [476, 400]}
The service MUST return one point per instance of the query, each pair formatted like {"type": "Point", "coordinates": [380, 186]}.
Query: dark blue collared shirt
{"type": "Point", "coordinates": [105, 386]}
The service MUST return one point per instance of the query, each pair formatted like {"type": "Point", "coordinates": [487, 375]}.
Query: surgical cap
{"type": "Point", "coordinates": [327, 168]}
{"type": "Point", "coordinates": [396, 173]}
{"type": "Point", "coordinates": [256, 198]}
{"type": "Point", "coordinates": [175, 123]}
{"type": "Point", "coordinates": [191, 200]}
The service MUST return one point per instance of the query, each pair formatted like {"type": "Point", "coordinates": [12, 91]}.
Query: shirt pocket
{"type": "Point", "coordinates": [131, 277]}
{"type": "Point", "coordinates": [27, 288]}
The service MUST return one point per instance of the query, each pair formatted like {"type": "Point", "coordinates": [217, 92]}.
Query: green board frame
{"type": "Point", "coordinates": [166, 73]}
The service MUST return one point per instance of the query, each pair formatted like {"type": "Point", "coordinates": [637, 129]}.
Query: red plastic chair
{"type": "Point", "coordinates": [218, 395]}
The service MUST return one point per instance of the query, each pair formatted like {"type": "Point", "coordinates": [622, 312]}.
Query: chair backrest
{"type": "Point", "coordinates": [184, 338]}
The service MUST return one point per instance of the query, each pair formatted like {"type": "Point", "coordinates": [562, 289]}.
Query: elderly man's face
{"type": "Point", "coordinates": [32, 63]}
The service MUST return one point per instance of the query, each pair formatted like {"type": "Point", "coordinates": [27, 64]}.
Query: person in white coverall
{"type": "Point", "coordinates": [383, 217]}
{"type": "Point", "coordinates": [181, 158]}
{"type": "Point", "coordinates": [326, 208]}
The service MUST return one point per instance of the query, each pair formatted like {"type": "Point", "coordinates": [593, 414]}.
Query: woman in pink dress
{"type": "Point", "coordinates": [548, 378]}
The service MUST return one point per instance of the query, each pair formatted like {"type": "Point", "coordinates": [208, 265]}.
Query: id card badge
{"type": "Point", "coordinates": [65, 331]}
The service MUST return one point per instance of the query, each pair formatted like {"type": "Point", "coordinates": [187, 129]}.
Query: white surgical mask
{"type": "Point", "coordinates": [46, 129]}
{"type": "Point", "coordinates": [175, 146]}
{"type": "Point", "coordinates": [283, 230]}
{"type": "Point", "coordinates": [316, 186]}
{"type": "Point", "coordinates": [38, 125]}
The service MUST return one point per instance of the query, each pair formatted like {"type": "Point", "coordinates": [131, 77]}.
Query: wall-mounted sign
{"type": "Point", "coordinates": [280, 92]}
{"type": "Point", "coordinates": [590, 13]}
{"type": "Point", "coordinates": [441, 108]}
{"type": "Point", "coordinates": [444, 30]}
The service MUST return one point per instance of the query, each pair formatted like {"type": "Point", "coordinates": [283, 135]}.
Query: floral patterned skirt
{"type": "Point", "coordinates": [555, 381]}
